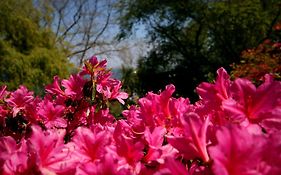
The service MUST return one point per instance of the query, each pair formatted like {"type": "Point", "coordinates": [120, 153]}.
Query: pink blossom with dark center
{"type": "Point", "coordinates": [19, 99]}
{"type": "Point", "coordinates": [74, 86]}
{"type": "Point", "coordinates": [51, 114]}
{"type": "Point", "coordinates": [260, 105]}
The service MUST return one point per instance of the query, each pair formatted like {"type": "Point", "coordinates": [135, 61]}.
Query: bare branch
{"type": "Point", "coordinates": [60, 11]}
{"type": "Point", "coordinates": [76, 18]}
{"type": "Point", "coordinates": [90, 44]}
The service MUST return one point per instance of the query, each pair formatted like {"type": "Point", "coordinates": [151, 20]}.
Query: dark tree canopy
{"type": "Point", "coordinates": [28, 54]}
{"type": "Point", "coordinates": [191, 39]}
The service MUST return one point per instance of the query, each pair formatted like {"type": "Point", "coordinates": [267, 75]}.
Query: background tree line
{"type": "Point", "coordinates": [188, 40]}
{"type": "Point", "coordinates": [191, 39]}
{"type": "Point", "coordinates": [28, 53]}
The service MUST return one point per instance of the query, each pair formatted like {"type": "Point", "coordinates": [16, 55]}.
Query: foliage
{"type": "Point", "coordinates": [28, 54]}
{"type": "Point", "coordinates": [233, 129]}
{"type": "Point", "coordinates": [130, 82]}
{"type": "Point", "coordinates": [266, 58]}
{"type": "Point", "coordinates": [191, 39]}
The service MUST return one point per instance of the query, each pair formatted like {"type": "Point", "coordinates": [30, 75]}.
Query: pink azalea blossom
{"type": "Point", "coordinates": [3, 110]}
{"type": "Point", "coordinates": [172, 167]}
{"type": "Point", "coordinates": [14, 159]}
{"type": "Point", "coordinates": [93, 66]}
{"type": "Point", "coordinates": [156, 137]}
{"type": "Point", "coordinates": [193, 143]}
{"type": "Point", "coordinates": [103, 116]}
{"type": "Point", "coordinates": [3, 114]}
{"type": "Point", "coordinates": [134, 119]}
{"type": "Point", "coordinates": [19, 99]}
{"type": "Point", "coordinates": [164, 99]}
{"type": "Point", "coordinates": [108, 165]}
{"type": "Point", "coordinates": [110, 90]}
{"type": "Point", "coordinates": [212, 95]}
{"type": "Point", "coordinates": [7, 147]}
{"type": "Point", "coordinates": [19, 163]}
{"type": "Point", "coordinates": [55, 88]}
{"type": "Point", "coordinates": [102, 82]}
{"type": "Point", "coordinates": [233, 129]}
{"type": "Point", "coordinates": [148, 109]}
{"type": "Point", "coordinates": [3, 92]}
{"type": "Point", "coordinates": [156, 151]}
{"type": "Point", "coordinates": [237, 152]}
{"type": "Point", "coordinates": [31, 112]}
{"type": "Point", "coordinates": [74, 86]}
{"type": "Point", "coordinates": [162, 109]}
{"type": "Point", "coordinates": [90, 146]}
{"type": "Point", "coordinates": [155, 140]}
{"type": "Point", "coordinates": [51, 154]}
{"type": "Point", "coordinates": [197, 169]}
{"type": "Point", "coordinates": [127, 146]}
{"type": "Point", "coordinates": [51, 114]}
{"type": "Point", "coordinates": [260, 105]}
{"type": "Point", "coordinates": [271, 154]}
{"type": "Point", "coordinates": [178, 107]}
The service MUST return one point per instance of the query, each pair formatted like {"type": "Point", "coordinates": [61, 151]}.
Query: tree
{"type": "Point", "coordinates": [190, 39]}
{"type": "Point", "coordinates": [28, 53]}
{"type": "Point", "coordinates": [84, 27]}
{"type": "Point", "coordinates": [264, 59]}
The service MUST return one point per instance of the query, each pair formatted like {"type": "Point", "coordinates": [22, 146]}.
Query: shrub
{"type": "Point", "coordinates": [233, 129]}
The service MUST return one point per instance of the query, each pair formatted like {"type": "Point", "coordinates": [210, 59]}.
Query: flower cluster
{"type": "Point", "coordinates": [234, 129]}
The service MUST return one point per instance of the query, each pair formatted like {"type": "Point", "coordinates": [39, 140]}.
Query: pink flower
{"type": "Point", "coordinates": [110, 89]}
{"type": "Point", "coordinates": [100, 77]}
{"type": "Point", "coordinates": [212, 96]}
{"type": "Point", "coordinates": [7, 147]}
{"type": "Point", "coordinates": [31, 112]}
{"type": "Point", "coordinates": [197, 169]}
{"type": "Point", "coordinates": [51, 114]}
{"type": "Point", "coordinates": [14, 158]}
{"type": "Point", "coordinates": [154, 140]}
{"type": "Point", "coordinates": [237, 152]}
{"type": "Point", "coordinates": [172, 167]}
{"type": "Point", "coordinates": [102, 116]}
{"type": "Point", "coordinates": [233, 129]}
{"type": "Point", "coordinates": [148, 109]}
{"type": "Point", "coordinates": [260, 105]}
{"type": "Point", "coordinates": [90, 146]}
{"type": "Point", "coordinates": [20, 163]}
{"type": "Point", "coordinates": [126, 146]}
{"type": "Point", "coordinates": [178, 108]}
{"type": "Point", "coordinates": [3, 110]}
{"type": "Point", "coordinates": [95, 63]}
{"type": "Point", "coordinates": [271, 154]}
{"type": "Point", "coordinates": [93, 66]}
{"type": "Point", "coordinates": [19, 99]}
{"type": "Point", "coordinates": [3, 113]}
{"type": "Point", "coordinates": [162, 109]}
{"type": "Point", "coordinates": [51, 155]}
{"type": "Point", "coordinates": [108, 165]}
{"type": "Point", "coordinates": [164, 99]}
{"type": "Point", "coordinates": [74, 86]}
{"type": "Point", "coordinates": [3, 92]}
{"type": "Point", "coordinates": [55, 88]}
{"type": "Point", "coordinates": [156, 137]}
{"type": "Point", "coordinates": [193, 143]}
{"type": "Point", "coordinates": [134, 119]}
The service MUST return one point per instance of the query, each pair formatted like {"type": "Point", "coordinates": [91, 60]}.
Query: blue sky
{"type": "Point", "coordinates": [126, 51]}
